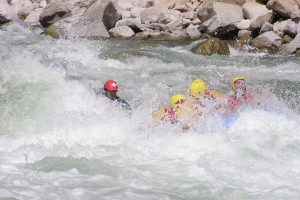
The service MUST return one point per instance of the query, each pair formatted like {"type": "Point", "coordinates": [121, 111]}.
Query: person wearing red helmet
{"type": "Point", "coordinates": [111, 88]}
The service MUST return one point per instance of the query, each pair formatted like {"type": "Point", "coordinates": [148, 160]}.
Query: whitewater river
{"type": "Point", "coordinates": [58, 140]}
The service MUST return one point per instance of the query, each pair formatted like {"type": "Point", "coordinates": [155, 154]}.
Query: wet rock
{"type": "Point", "coordinates": [121, 32]}
{"type": "Point", "coordinates": [244, 37]}
{"type": "Point", "coordinates": [297, 53]}
{"type": "Point", "coordinates": [52, 31]}
{"type": "Point", "coordinates": [291, 47]}
{"type": "Point", "coordinates": [6, 13]}
{"type": "Point", "coordinates": [268, 41]}
{"type": "Point", "coordinates": [285, 27]}
{"type": "Point", "coordinates": [212, 46]}
{"type": "Point", "coordinates": [266, 27]}
{"type": "Point", "coordinates": [286, 8]}
{"type": "Point", "coordinates": [286, 39]}
{"type": "Point", "coordinates": [52, 13]}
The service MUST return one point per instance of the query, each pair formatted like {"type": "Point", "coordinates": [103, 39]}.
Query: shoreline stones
{"type": "Point", "coordinates": [267, 25]}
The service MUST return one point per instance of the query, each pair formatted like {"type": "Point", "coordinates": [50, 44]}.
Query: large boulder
{"type": "Point", "coordinates": [53, 12]}
{"type": "Point", "coordinates": [121, 32]}
{"type": "Point", "coordinates": [6, 13]}
{"type": "Point", "coordinates": [224, 16]}
{"type": "Point", "coordinates": [268, 41]}
{"type": "Point", "coordinates": [212, 46]}
{"type": "Point", "coordinates": [286, 8]}
{"type": "Point", "coordinates": [257, 13]}
{"type": "Point", "coordinates": [103, 10]}
{"type": "Point", "coordinates": [99, 17]}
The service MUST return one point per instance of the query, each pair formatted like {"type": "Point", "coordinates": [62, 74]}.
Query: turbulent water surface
{"type": "Point", "coordinates": [58, 140]}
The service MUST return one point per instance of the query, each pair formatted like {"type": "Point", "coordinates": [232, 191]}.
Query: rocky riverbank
{"type": "Point", "coordinates": [264, 25]}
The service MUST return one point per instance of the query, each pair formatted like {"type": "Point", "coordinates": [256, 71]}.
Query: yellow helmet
{"type": "Point", "coordinates": [234, 79]}
{"type": "Point", "coordinates": [197, 88]}
{"type": "Point", "coordinates": [175, 98]}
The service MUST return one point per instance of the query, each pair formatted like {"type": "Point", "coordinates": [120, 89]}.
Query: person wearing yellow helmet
{"type": "Point", "coordinates": [202, 96]}
{"type": "Point", "coordinates": [241, 96]}
{"type": "Point", "coordinates": [180, 110]}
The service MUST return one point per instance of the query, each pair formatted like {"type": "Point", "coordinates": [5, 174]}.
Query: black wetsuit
{"type": "Point", "coordinates": [119, 100]}
{"type": "Point", "coordinates": [123, 103]}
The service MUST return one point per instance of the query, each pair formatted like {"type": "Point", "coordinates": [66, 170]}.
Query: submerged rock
{"type": "Point", "coordinates": [212, 46]}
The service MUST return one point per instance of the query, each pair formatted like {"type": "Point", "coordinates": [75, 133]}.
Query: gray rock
{"type": "Point", "coordinates": [223, 15]}
{"type": "Point", "coordinates": [126, 14]}
{"type": "Point", "coordinates": [88, 28]}
{"type": "Point", "coordinates": [285, 27]}
{"type": "Point", "coordinates": [193, 31]}
{"type": "Point", "coordinates": [260, 20]}
{"type": "Point", "coordinates": [34, 17]}
{"type": "Point", "coordinates": [136, 12]}
{"type": "Point", "coordinates": [196, 21]}
{"type": "Point", "coordinates": [257, 13]}
{"type": "Point", "coordinates": [23, 7]}
{"type": "Point", "coordinates": [168, 16]}
{"type": "Point", "coordinates": [267, 41]}
{"type": "Point", "coordinates": [244, 34]}
{"type": "Point", "coordinates": [105, 11]}
{"type": "Point", "coordinates": [287, 8]}
{"type": "Point", "coordinates": [6, 13]}
{"type": "Point", "coordinates": [96, 20]}
{"type": "Point", "coordinates": [121, 31]}
{"type": "Point", "coordinates": [52, 13]}
{"type": "Point", "coordinates": [173, 25]}
{"type": "Point", "coordinates": [190, 15]}
{"type": "Point", "coordinates": [287, 39]}
{"type": "Point", "coordinates": [266, 27]}
{"type": "Point", "coordinates": [133, 23]}
{"type": "Point", "coordinates": [243, 25]}
{"type": "Point", "coordinates": [291, 47]}
{"type": "Point", "coordinates": [252, 10]}
{"type": "Point", "coordinates": [150, 15]}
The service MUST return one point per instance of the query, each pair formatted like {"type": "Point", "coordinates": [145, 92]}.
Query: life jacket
{"type": "Point", "coordinates": [235, 102]}
{"type": "Point", "coordinates": [165, 114]}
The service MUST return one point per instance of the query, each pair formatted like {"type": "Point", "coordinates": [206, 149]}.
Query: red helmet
{"type": "Point", "coordinates": [110, 85]}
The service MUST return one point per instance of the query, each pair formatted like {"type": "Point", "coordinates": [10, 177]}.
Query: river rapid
{"type": "Point", "coordinates": [58, 140]}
